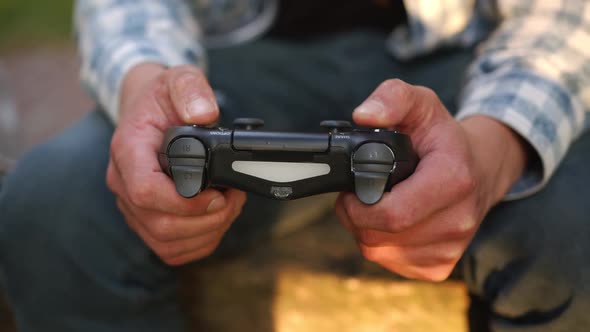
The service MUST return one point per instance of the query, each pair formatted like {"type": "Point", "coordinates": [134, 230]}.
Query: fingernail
{"type": "Point", "coordinates": [369, 109]}
{"type": "Point", "coordinates": [199, 108]}
{"type": "Point", "coordinates": [216, 204]}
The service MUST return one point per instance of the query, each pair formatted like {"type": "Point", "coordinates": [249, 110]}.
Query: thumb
{"type": "Point", "coordinates": [192, 96]}
{"type": "Point", "coordinates": [398, 104]}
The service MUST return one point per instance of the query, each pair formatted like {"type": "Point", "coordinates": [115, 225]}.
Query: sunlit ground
{"type": "Point", "coordinates": [315, 280]}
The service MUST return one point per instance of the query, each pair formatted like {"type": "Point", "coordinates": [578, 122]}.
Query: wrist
{"type": "Point", "coordinates": [499, 153]}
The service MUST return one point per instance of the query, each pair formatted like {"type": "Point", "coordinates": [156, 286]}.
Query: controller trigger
{"type": "Point", "coordinates": [369, 186]}
{"type": "Point", "coordinates": [372, 164]}
{"type": "Point", "coordinates": [187, 160]}
{"type": "Point", "coordinates": [187, 179]}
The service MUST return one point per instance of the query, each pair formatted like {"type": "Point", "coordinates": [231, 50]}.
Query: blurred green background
{"type": "Point", "coordinates": [24, 23]}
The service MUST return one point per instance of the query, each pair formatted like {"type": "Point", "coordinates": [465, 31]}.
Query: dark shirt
{"type": "Point", "coordinates": [303, 19]}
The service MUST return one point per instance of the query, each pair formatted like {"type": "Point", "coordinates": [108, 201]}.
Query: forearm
{"type": "Point", "coordinates": [532, 81]}
{"type": "Point", "coordinates": [115, 36]}
{"type": "Point", "coordinates": [499, 153]}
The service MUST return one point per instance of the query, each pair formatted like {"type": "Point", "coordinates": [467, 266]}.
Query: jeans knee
{"type": "Point", "coordinates": [64, 246]}
{"type": "Point", "coordinates": [525, 282]}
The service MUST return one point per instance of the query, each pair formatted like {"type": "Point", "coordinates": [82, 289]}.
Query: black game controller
{"type": "Point", "coordinates": [287, 165]}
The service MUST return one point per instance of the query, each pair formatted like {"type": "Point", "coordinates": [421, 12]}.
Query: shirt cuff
{"type": "Point", "coordinates": [526, 103]}
{"type": "Point", "coordinates": [104, 73]}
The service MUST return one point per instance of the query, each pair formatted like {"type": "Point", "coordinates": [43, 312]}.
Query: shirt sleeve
{"type": "Point", "coordinates": [533, 74]}
{"type": "Point", "coordinates": [115, 35]}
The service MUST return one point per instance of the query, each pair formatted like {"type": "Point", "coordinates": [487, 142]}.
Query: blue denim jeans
{"type": "Point", "coordinates": [68, 262]}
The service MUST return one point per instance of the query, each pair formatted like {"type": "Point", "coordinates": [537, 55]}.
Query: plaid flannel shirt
{"type": "Point", "coordinates": [532, 71]}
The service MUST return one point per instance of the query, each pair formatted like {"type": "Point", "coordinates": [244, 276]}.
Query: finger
{"type": "Point", "coordinates": [170, 228]}
{"type": "Point", "coordinates": [147, 187]}
{"type": "Point", "coordinates": [114, 182]}
{"type": "Point", "coordinates": [192, 96]}
{"type": "Point", "coordinates": [169, 249]}
{"type": "Point", "coordinates": [425, 193]}
{"type": "Point", "coordinates": [237, 199]}
{"type": "Point", "coordinates": [193, 255]}
{"type": "Point", "coordinates": [343, 216]}
{"type": "Point", "coordinates": [455, 224]}
{"type": "Point", "coordinates": [433, 254]}
{"type": "Point", "coordinates": [394, 103]}
{"type": "Point", "coordinates": [434, 262]}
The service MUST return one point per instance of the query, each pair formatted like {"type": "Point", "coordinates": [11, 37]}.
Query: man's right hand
{"type": "Point", "coordinates": [178, 230]}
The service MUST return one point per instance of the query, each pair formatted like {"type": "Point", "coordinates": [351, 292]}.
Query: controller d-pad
{"type": "Point", "coordinates": [187, 161]}
{"type": "Point", "coordinates": [372, 164]}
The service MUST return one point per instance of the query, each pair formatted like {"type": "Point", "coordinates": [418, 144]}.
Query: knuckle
{"type": "Point", "coordinates": [188, 69]}
{"type": "Point", "coordinates": [429, 93]}
{"type": "Point", "coordinates": [161, 251]}
{"type": "Point", "coordinates": [370, 254]}
{"type": "Point", "coordinates": [115, 143]}
{"type": "Point", "coordinates": [393, 84]}
{"type": "Point", "coordinates": [168, 252]}
{"type": "Point", "coordinates": [462, 228]}
{"type": "Point", "coordinates": [218, 220]}
{"type": "Point", "coordinates": [464, 180]}
{"type": "Point", "coordinates": [186, 78]}
{"type": "Point", "coordinates": [174, 261]}
{"type": "Point", "coordinates": [398, 219]}
{"type": "Point", "coordinates": [111, 179]}
{"type": "Point", "coordinates": [115, 146]}
{"type": "Point", "coordinates": [368, 238]}
{"type": "Point", "coordinates": [351, 211]}
{"type": "Point", "coordinates": [436, 274]}
{"type": "Point", "coordinates": [238, 211]}
{"type": "Point", "coordinates": [449, 257]}
{"type": "Point", "coordinates": [140, 194]}
{"type": "Point", "coordinates": [400, 89]}
{"type": "Point", "coordinates": [209, 250]}
{"type": "Point", "coordinates": [162, 229]}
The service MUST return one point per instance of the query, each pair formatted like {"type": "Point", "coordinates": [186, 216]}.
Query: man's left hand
{"type": "Point", "coordinates": [422, 227]}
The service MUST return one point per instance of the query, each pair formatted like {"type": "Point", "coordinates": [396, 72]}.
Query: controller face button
{"type": "Point", "coordinates": [188, 179]}
{"type": "Point", "coordinates": [186, 148]}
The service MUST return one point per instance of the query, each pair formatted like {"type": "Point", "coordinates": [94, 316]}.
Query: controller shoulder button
{"type": "Point", "coordinates": [374, 153]}
{"type": "Point", "coordinates": [186, 147]}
